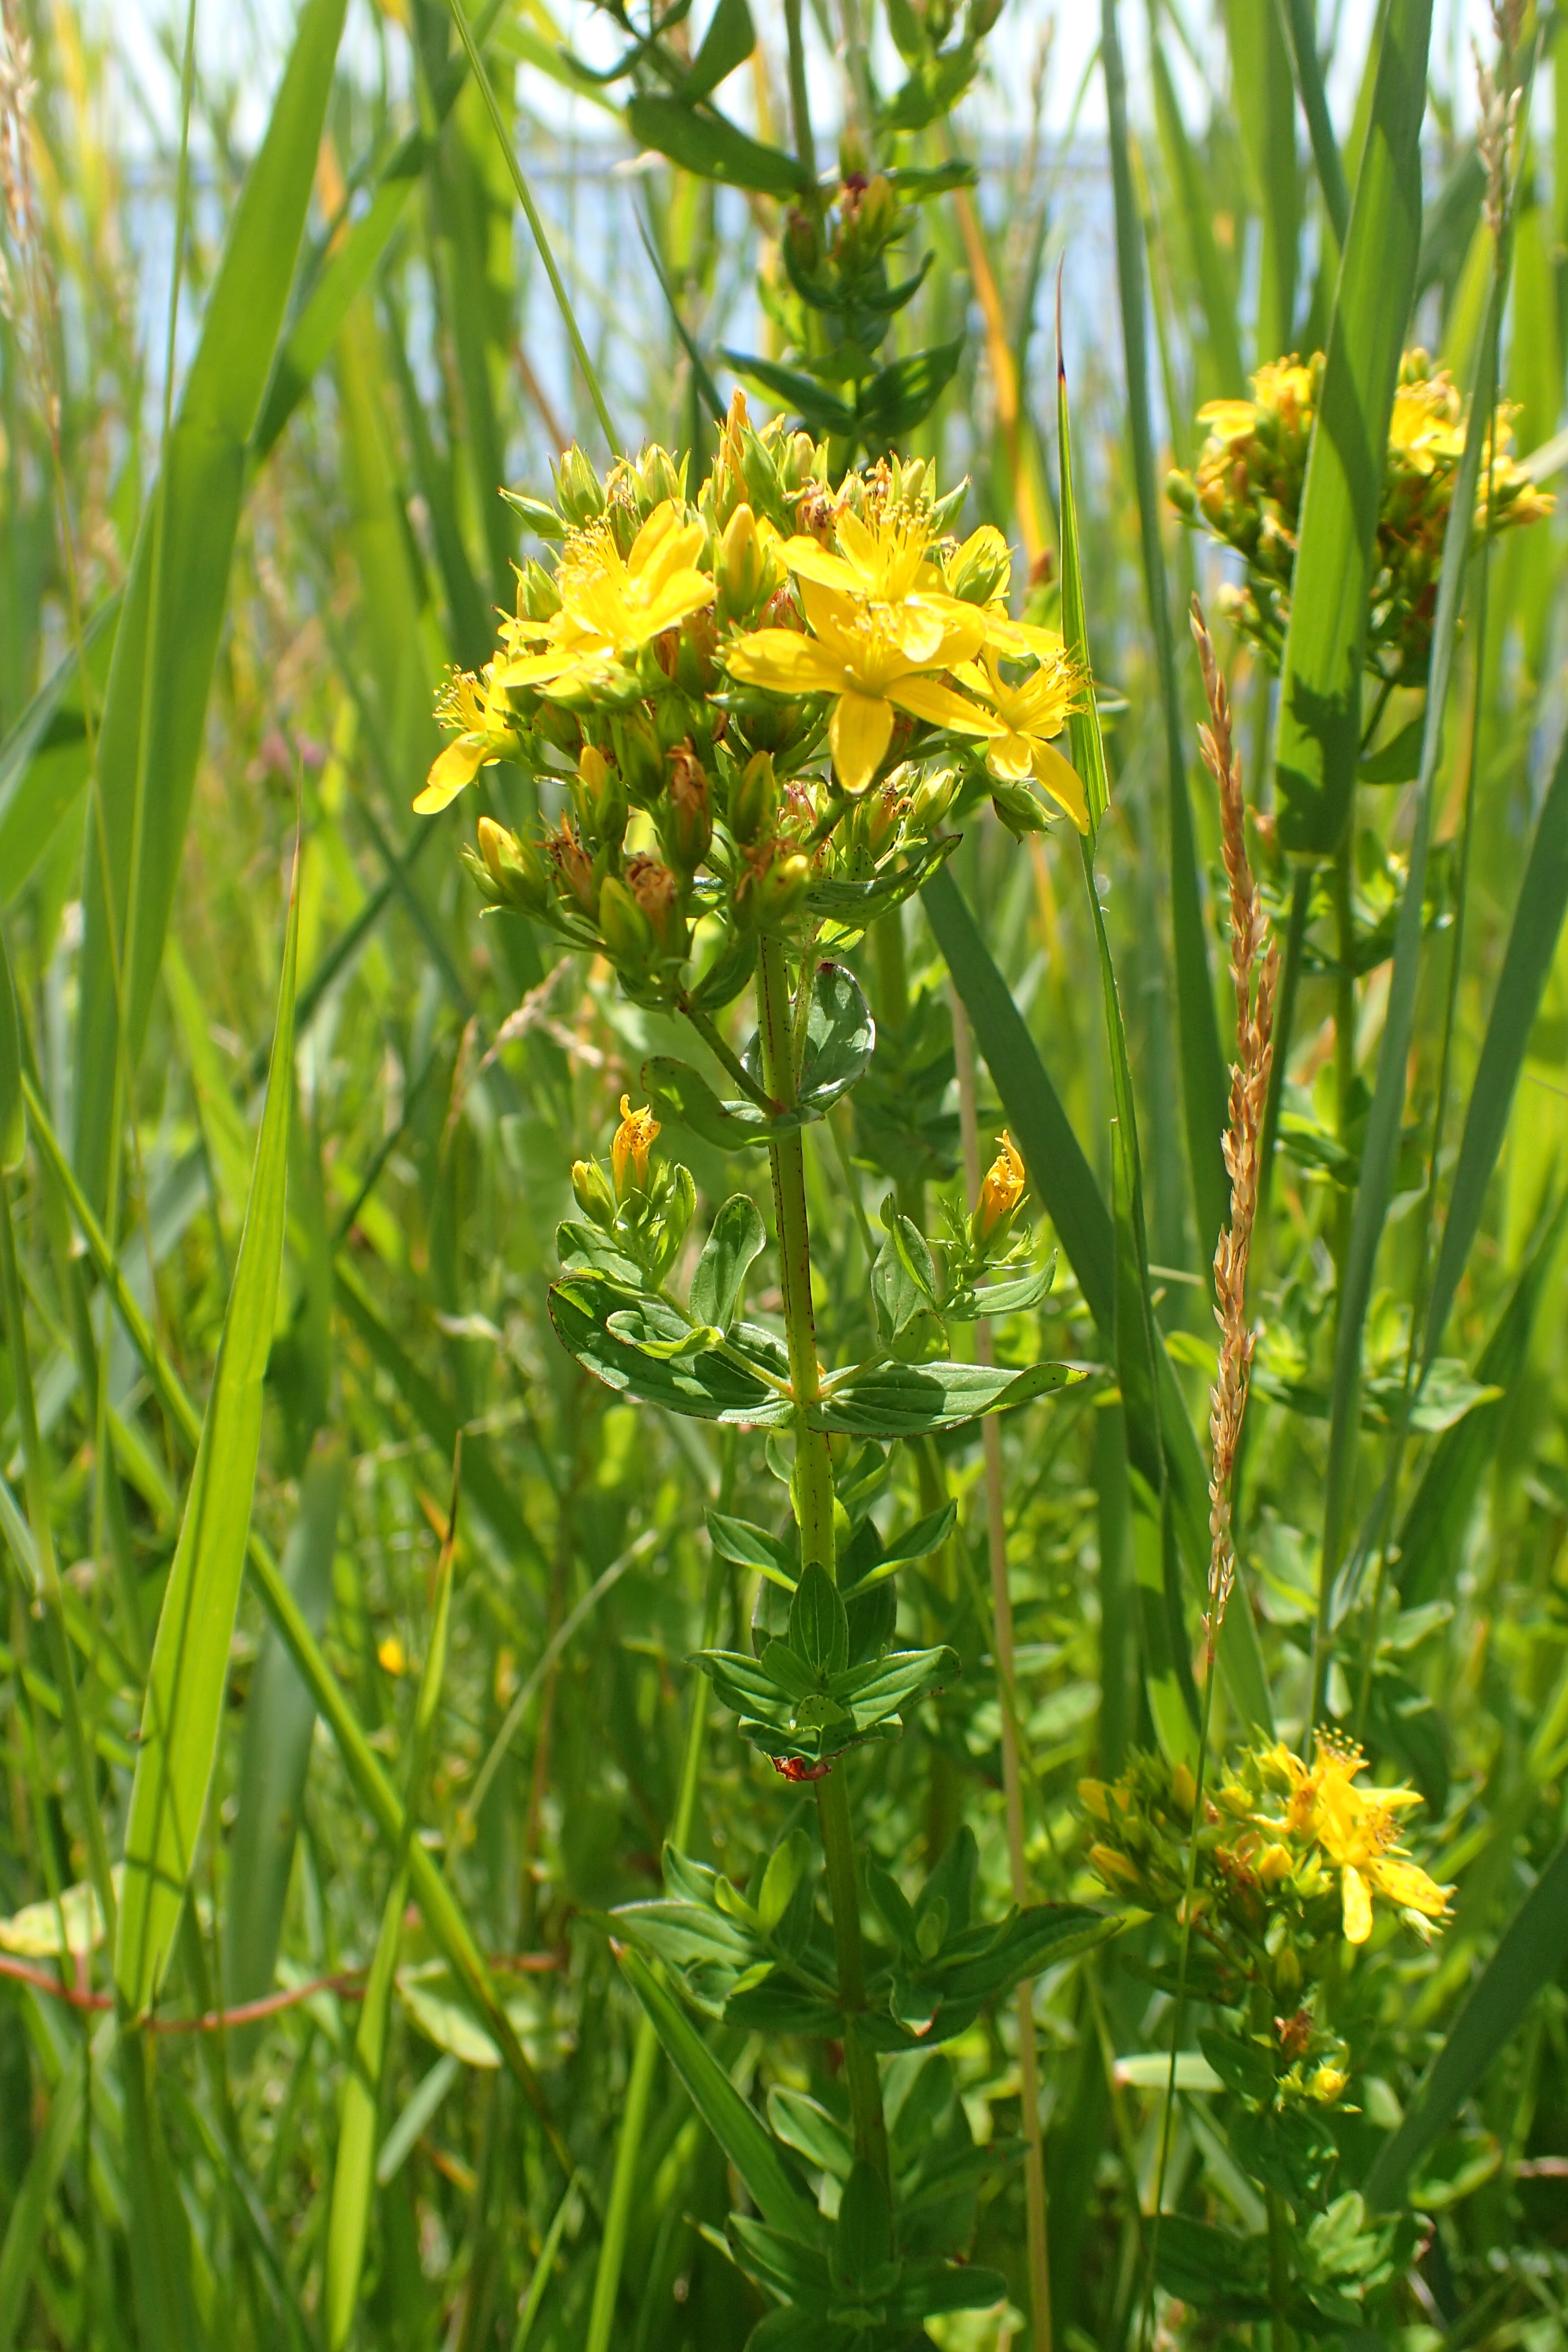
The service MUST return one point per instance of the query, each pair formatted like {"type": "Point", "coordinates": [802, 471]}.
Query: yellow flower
{"type": "Point", "coordinates": [870, 659]}
{"type": "Point", "coordinates": [612, 605]}
{"type": "Point", "coordinates": [1424, 426]}
{"type": "Point", "coordinates": [390, 1656]}
{"type": "Point", "coordinates": [476, 707]}
{"type": "Point", "coordinates": [1004, 1185]}
{"type": "Point", "coordinates": [633, 1142]}
{"type": "Point", "coordinates": [1028, 714]}
{"type": "Point", "coordinates": [1358, 1829]}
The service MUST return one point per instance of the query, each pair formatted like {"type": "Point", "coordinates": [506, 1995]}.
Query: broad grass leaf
{"type": "Point", "coordinates": [1321, 684]}
{"type": "Point", "coordinates": [13, 1114]}
{"type": "Point", "coordinates": [160, 676]}
{"type": "Point", "coordinates": [188, 1676]}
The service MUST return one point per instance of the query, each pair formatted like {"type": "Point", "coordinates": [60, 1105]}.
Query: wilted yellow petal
{"type": "Point", "coordinates": [859, 734]}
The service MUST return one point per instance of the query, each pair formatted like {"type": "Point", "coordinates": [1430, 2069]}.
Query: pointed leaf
{"type": "Point", "coordinates": [738, 1236]}
{"type": "Point", "coordinates": [188, 1677]}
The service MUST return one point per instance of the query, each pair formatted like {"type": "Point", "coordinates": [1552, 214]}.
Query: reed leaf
{"type": "Point", "coordinates": [188, 1678]}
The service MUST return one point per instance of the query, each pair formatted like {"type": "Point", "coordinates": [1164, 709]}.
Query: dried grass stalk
{"type": "Point", "coordinates": [1251, 947]}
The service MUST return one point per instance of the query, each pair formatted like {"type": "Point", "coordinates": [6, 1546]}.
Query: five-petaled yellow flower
{"type": "Point", "coordinates": [633, 1141]}
{"type": "Point", "coordinates": [873, 659]}
{"type": "Point", "coordinates": [612, 605]}
{"type": "Point", "coordinates": [1029, 715]}
{"type": "Point", "coordinates": [481, 710]}
{"type": "Point", "coordinates": [1004, 1187]}
{"type": "Point", "coordinates": [1358, 1831]}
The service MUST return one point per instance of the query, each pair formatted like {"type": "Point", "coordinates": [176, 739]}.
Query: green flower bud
{"type": "Point", "coordinates": [770, 890]}
{"type": "Point", "coordinates": [516, 873]}
{"type": "Point", "coordinates": [983, 18]}
{"type": "Point", "coordinates": [749, 570]}
{"type": "Point", "coordinates": [930, 803]}
{"type": "Point", "coordinates": [659, 901]}
{"type": "Point", "coordinates": [594, 1197]}
{"type": "Point", "coordinates": [686, 817]}
{"type": "Point", "coordinates": [601, 798]}
{"type": "Point", "coordinates": [639, 757]}
{"type": "Point", "coordinates": [982, 568]}
{"type": "Point", "coordinates": [578, 489]}
{"type": "Point", "coordinates": [754, 799]}
{"type": "Point", "coordinates": [628, 933]}
{"type": "Point", "coordinates": [1019, 809]}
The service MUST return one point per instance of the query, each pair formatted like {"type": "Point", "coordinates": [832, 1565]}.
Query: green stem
{"type": "Point", "coordinates": [728, 1060]}
{"type": "Point", "coordinates": [813, 1465]}
{"type": "Point", "coordinates": [645, 2054]}
{"type": "Point", "coordinates": [868, 2129]}
{"type": "Point", "coordinates": [1284, 1019]}
{"type": "Point", "coordinates": [800, 105]}
{"type": "Point", "coordinates": [814, 1514]}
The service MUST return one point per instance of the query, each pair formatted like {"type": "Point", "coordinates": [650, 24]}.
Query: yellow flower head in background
{"type": "Point", "coordinates": [481, 711]}
{"type": "Point", "coordinates": [633, 1141]}
{"type": "Point", "coordinates": [871, 661]}
{"type": "Point", "coordinates": [1005, 1186]}
{"type": "Point", "coordinates": [612, 605]}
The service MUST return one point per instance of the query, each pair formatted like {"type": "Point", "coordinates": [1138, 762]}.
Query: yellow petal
{"type": "Point", "coordinates": [924, 699]}
{"type": "Point", "coordinates": [785, 661]}
{"type": "Point", "coordinates": [532, 669]}
{"type": "Point", "coordinates": [1008, 757]}
{"type": "Point", "coordinates": [859, 734]}
{"type": "Point", "coordinates": [457, 765]}
{"type": "Point", "coordinates": [1061, 780]}
{"type": "Point", "coordinates": [1410, 1887]}
{"type": "Point", "coordinates": [808, 561]}
{"type": "Point", "coordinates": [1020, 639]}
{"type": "Point", "coordinates": [1357, 1902]}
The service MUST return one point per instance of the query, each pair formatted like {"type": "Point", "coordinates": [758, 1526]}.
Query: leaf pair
{"type": "Point", "coordinates": [840, 1040]}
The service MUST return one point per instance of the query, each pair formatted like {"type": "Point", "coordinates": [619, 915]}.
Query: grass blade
{"type": "Point", "coordinates": [354, 2172]}
{"type": "Point", "coordinates": [739, 2132]}
{"type": "Point", "coordinates": [1265, 114]}
{"type": "Point", "coordinates": [200, 501]}
{"type": "Point", "coordinates": [1301, 35]}
{"type": "Point", "coordinates": [44, 760]}
{"type": "Point", "coordinates": [1205, 1086]}
{"type": "Point", "coordinates": [1528, 1957]}
{"type": "Point", "coordinates": [186, 1684]}
{"type": "Point", "coordinates": [275, 1754]}
{"type": "Point", "coordinates": [20, 2247]}
{"type": "Point", "coordinates": [1381, 1150]}
{"type": "Point", "coordinates": [443, 1914]}
{"type": "Point", "coordinates": [1526, 965]}
{"type": "Point", "coordinates": [1321, 684]}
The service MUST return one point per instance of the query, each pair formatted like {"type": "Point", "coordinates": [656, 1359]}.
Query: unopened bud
{"type": "Point", "coordinates": [639, 757]}
{"type": "Point", "coordinates": [983, 18]}
{"type": "Point", "coordinates": [658, 896]}
{"type": "Point", "coordinates": [930, 803]}
{"type": "Point", "coordinates": [685, 816]}
{"type": "Point", "coordinates": [781, 889]}
{"type": "Point", "coordinates": [628, 933]}
{"type": "Point", "coordinates": [579, 876]}
{"type": "Point", "coordinates": [1019, 809]}
{"type": "Point", "coordinates": [594, 1198]}
{"type": "Point", "coordinates": [658, 476]}
{"type": "Point", "coordinates": [601, 797]}
{"type": "Point", "coordinates": [516, 873]}
{"type": "Point", "coordinates": [754, 801]}
{"type": "Point", "coordinates": [982, 568]}
{"type": "Point", "coordinates": [801, 243]}
{"type": "Point", "coordinates": [1327, 2084]}
{"type": "Point", "coordinates": [878, 211]}
{"type": "Point", "coordinates": [877, 820]}
{"type": "Point", "coordinates": [749, 568]}
{"type": "Point", "coordinates": [578, 489]}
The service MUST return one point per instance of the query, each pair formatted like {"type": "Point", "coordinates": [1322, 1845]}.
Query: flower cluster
{"type": "Point", "coordinates": [1248, 485]}
{"type": "Point", "coordinates": [1279, 1835]}
{"type": "Point", "coordinates": [735, 705]}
